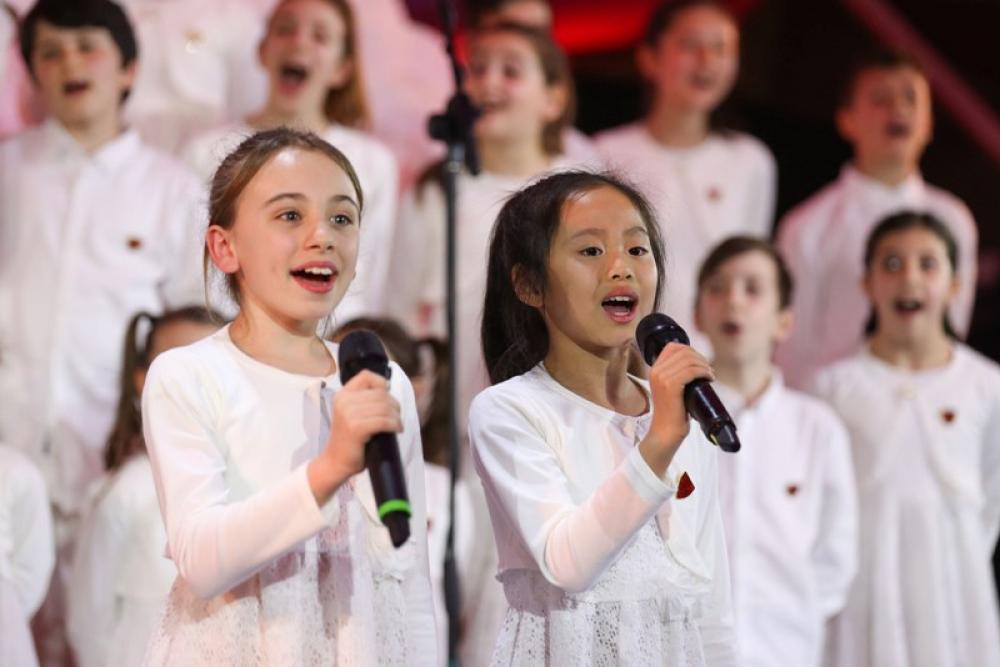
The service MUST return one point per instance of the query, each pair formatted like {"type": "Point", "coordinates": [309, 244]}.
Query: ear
{"type": "Point", "coordinates": [645, 60]}
{"type": "Point", "coordinates": [222, 250]}
{"type": "Point", "coordinates": [846, 125]}
{"type": "Point", "coordinates": [865, 285]}
{"type": "Point", "coordinates": [341, 74]}
{"type": "Point", "coordinates": [556, 98]}
{"type": "Point", "coordinates": [127, 79]}
{"type": "Point", "coordinates": [527, 292]}
{"type": "Point", "coordinates": [786, 322]}
{"type": "Point", "coordinates": [955, 287]}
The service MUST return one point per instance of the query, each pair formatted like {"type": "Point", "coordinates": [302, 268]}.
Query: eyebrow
{"type": "Point", "coordinates": [600, 232]}
{"type": "Point", "coordinates": [298, 196]}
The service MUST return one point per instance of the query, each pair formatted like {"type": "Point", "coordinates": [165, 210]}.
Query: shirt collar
{"type": "Point", "coordinates": [59, 144]}
{"type": "Point", "coordinates": [737, 404]}
{"type": "Point", "coordinates": [869, 190]}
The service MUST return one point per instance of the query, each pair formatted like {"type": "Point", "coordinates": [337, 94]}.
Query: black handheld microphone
{"type": "Point", "coordinates": [362, 350]}
{"type": "Point", "coordinates": [653, 333]}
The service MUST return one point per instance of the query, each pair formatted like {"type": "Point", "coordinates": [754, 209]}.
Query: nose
{"type": "Point", "coordinates": [620, 267]}
{"type": "Point", "coordinates": [321, 236]}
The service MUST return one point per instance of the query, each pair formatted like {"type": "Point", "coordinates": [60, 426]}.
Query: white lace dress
{"type": "Point", "coordinates": [267, 577]}
{"type": "Point", "coordinates": [602, 562]}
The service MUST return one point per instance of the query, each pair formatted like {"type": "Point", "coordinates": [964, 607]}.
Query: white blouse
{"type": "Point", "coordinates": [27, 554]}
{"type": "Point", "coordinates": [119, 579]}
{"type": "Point", "coordinates": [266, 575]}
{"type": "Point", "coordinates": [823, 240]}
{"type": "Point", "coordinates": [378, 175]}
{"type": "Point", "coordinates": [723, 186]}
{"type": "Point", "coordinates": [86, 241]}
{"type": "Point", "coordinates": [601, 561]}
{"type": "Point", "coordinates": [790, 510]}
{"type": "Point", "coordinates": [926, 452]}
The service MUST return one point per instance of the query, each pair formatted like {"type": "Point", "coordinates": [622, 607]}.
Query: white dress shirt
{"type": "Point", "coordinates": [198, 67]}
{"type": "Point", "coordinates": [823, 240]}
{"type": "Point", "coordinates": [789, 506]}
{"type": "Point", "coordinates": [27, 554]}
{"type": "Point", "coordinates": [86, 241]}
{"type": "Point", "coordinates": [723, 186]}
{"type": "Point", "coordinates": [926, 452]}
{"type": "Point", "coordinates": [120, 578]}
{"type": "Point", "coordinates": [378, 175]}
{"type": "Point", "coordinates": [267, 575]}
{"type": "Point", "coordinates": [602, 562]}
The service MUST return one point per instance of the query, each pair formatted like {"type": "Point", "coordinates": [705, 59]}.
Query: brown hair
{"type": "Point", "coordinates": [125, 439]}
{"type": "Point", "coordinates": [874, 59]}
{"type": "Point", "coordinates": [406, 352]}
{"type": "Point", "coordinates": [739, 245]}
{"type": "Point", "coordinates": [347, 104]}
{"type": "Point", "coordinates": [555, 70]}
{"type": "Point", "coordinates": [666, 13]}
{"type": "Point", "coordinates": [240, 166]}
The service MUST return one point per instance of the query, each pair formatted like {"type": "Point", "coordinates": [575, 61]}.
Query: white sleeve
{"type": "Point", "coordinates": [835, 554]}
{"type": "Point", "coordinates": [991, 473]}
{"type": "Point", "coordinates": [378, 229]}
{"type": "Point", "coordinates": [184, 242]}
{"type": "Point", "coordinates": [416, 281]}
{"type": "Point", "coordinates": [795, 353]}
{"type": "Point", "coordinates": [760, 213]}
{"type": "Point", "coordinates": [572, 544]}
{"type": "Point", "coordinates": [33, 553]}
{"type": "Point", "coordinates": [421, 629]}
{"type": "Point", "coordinates": [91, 607]}
{"type": "Point", "coordinates": [216, 543]}
{"type": "Point", "coordinates": [717, 625]}
{"type": "Point", "coordinates": [967, 236]}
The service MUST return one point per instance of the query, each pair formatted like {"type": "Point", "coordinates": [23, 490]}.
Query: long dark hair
{"type": "Point", "coordinates": [901, 222]}
{"type": "Point", "coordinates": [126, 434]}
{"type": "Point", "coordinates": [514, 336]}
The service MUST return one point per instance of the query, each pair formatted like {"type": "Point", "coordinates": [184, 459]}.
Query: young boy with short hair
{"type": "Point", "coordinates": [788, 498]}
{"type": "Point", "coordinates": [94, 226]}
{"type": "Point", "coordinates": [885, 114]}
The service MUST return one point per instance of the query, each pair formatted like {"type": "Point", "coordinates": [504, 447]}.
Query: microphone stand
{"type": "Point", "coordinates": [454, 128]}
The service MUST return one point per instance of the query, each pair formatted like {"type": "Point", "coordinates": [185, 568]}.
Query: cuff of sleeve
{"type": "Point", "coordinates": [325, 514]}
{"type": "Point", "coordinates": [653, 489]}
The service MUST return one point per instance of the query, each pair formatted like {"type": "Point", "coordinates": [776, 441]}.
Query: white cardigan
{"type": "Point", "coordinates": [230, 438]}
{"type": "Point", "coordinates": [568, 492]}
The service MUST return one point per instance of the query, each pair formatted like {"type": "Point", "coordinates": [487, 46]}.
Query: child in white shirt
{"type": "Point", "coordinates": [256, 446]}
{"type": "Point", "coordinates": [112, 222]}
{"type": "Point", "coordinates": [310, 53]}
{"type": "Point", "coordinates": [706, 184]}
{"type": "Point", "coordinates": [603, 500]}
{"type": "Point", "coordinates": [120, 578]}
{"type": "Point", "coordinates": [788, 498]}
{"type": "Point", "coordinates": [923, 412]}
{"type": "Point", "coordinates": [27, 554]}
{"type": "Point", "coordinates": [885, 114]}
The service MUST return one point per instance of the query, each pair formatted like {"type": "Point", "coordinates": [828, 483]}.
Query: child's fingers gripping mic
{"type": "Point", "coordinates": [360, 351]}
{"type": "Point", "coordinates": [700, 400]}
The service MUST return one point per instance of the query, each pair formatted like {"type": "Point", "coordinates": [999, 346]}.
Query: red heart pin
{"type": "Point", "coordinates": [792, 489]}
{"type": "Point", "coordinates": [685, 487]}
{"type": "Point", "coordinates": [948, 415]}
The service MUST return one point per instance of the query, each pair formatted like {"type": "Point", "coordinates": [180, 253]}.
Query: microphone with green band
{"type": "Point", "coordinates": [362, 350]}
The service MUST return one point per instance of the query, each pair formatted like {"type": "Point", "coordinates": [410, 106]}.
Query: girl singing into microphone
{"type": "Point", "coordinates": [256, 447]}
{"type": "Point", "coordinates": [603, 499]}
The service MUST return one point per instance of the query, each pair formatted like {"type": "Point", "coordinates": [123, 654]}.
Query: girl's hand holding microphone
{"type": "Point", "coordinates": [675, 367]}
{"type": "Point", "coordinates": [362, 408]}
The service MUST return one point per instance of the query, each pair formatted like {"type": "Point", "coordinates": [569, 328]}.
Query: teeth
{"type": "Point", "coordinates": [619, 299]}
{"type": "Point", "coordinates": [318, 271]}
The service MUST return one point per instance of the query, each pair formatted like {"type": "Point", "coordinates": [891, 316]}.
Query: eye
{"type": "Point", "coordinates": [512, 71]}
{"type": "Point", "coordinates": [86, 45]}
{"type": "Point", "coordinates": [638, 251]}
{"type": "Point", "coordinates": [591, 251]}
{"type": "Point", "coordinates": [928, 263]}
{"type": "Point", "coordinates": [290, 216]}
{"type": "Point", "coordinates": [753, 289]}
{"type": "Point", "coordinates": [341, 219]}
{"type": "Point", "coordinates": [892, 263]}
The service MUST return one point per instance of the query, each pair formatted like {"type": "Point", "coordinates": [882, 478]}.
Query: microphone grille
{"type": "Point", "coordinates": [361, 350]}
{"type": "Point", "coordinates": [654, 332]}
